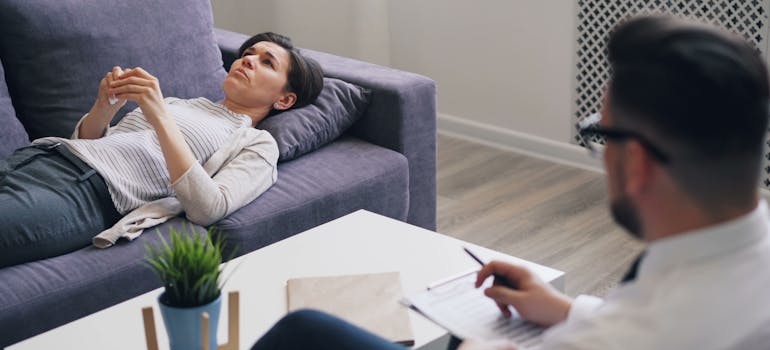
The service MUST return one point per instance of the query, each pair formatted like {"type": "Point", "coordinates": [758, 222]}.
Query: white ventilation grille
{"type": "Point", "coordinates": [596, 18]}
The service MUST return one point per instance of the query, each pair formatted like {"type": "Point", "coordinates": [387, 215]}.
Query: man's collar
{"type": "Point", "coordinates": [710, 241]}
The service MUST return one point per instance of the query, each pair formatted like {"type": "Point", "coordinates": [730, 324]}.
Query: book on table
{"type": "Point", "coordinates": [370, 301]}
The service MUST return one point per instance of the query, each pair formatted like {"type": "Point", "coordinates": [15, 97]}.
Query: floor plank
{"type": "Point", "coordinates": [549, 213]}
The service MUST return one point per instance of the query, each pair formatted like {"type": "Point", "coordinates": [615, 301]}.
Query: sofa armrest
{"type": "Point", "coordinates": [229, 43]}
{"type": "Point", "coordinates": [401, 116]}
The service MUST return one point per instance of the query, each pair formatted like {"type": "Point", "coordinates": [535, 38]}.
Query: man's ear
{"type": "Point", "coordinates": [286, 101]}
{"type": "Point", "coordinates": [638, 166]}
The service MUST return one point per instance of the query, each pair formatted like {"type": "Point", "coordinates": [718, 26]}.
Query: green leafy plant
{"type": "Point", "coordinates": [190, 268]}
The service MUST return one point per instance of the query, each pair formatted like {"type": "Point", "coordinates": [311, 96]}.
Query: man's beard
{"type": "Point", "coordinates": [625, 214]}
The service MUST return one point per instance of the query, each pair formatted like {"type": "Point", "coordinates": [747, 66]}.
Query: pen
{"type": "Point", "coordinates": [499, 279]}
{"type": "Point", "coordinates": [474, 256]}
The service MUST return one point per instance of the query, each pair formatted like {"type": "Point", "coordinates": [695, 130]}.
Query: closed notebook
{"type": "Point", "coordinates": [370, 301]}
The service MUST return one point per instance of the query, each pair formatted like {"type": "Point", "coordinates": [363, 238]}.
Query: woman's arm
{"type": "Point", "coordinates": [102, 112]}
{"type": "Point", "coordinates": [141, 87]}
{"type": "Point", "coordinates": [242, 170]}
{"type": "Point", "coordinates": [234, 176]}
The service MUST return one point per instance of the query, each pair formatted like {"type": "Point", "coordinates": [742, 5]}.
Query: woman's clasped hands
{"type": "Point", "coordinates": [134, 85]}
{"type": "Point", "coordinates": [107, 103]}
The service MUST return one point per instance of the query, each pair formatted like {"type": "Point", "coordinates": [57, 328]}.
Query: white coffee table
{"type": "Point", "coordinates": [361, 242]}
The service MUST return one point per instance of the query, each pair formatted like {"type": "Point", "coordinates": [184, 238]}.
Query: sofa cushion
{"type": "Point", "coordinates": [56, 51]}
{"type": "Point", "coordinates": [340, 178]}
{"type": "Point", "coordinates": [12, 133]}
{"type": "Point", "coordinates": [48, 293]}
{"type": "Point", "coordinates": [302, 130]}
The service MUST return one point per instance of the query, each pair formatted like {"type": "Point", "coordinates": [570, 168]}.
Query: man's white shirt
{"type": "Point", "coordinates": [706, 289]}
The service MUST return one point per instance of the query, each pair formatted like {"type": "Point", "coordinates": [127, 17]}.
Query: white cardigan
{"type": "Point", "coordinates": [234, 175]}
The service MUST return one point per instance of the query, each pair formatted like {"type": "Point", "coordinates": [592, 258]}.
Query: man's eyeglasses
{"type": "Point", "coordinates": [590, 134]}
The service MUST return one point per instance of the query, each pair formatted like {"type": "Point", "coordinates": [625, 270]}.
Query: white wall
{"type": "Point", "coordinates": [504, 68]}
{"type": "Point", "coordinates": [352, 28]}
{"type": "Point", "coordinates": [502, 63]}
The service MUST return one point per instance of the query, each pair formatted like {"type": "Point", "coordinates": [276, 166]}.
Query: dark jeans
{"type": "Point", "coordinates": [51, 203]}
{"type": "Point", "coordinates": [310, 329]}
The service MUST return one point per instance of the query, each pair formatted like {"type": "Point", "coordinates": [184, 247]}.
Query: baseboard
{"type": "Point", "coordinates": [534, 146]}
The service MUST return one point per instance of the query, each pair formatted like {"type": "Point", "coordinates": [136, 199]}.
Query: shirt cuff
{"type": "Point", "coordinates": [583, 305]}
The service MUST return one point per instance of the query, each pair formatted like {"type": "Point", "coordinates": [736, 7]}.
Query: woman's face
{"type": "Point", "coordinates": [258, 79]}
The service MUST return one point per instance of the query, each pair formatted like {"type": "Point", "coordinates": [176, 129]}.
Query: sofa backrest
{"type": "Point", "coordinates": [55, 53]}
{"type": "Point", "coordinates": [12, 133]}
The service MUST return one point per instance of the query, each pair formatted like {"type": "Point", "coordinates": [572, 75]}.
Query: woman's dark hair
{"type": "Point", "coordinates": [305, 75]}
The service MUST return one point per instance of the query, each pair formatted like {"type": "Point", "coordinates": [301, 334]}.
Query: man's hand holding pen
{"type": "Point", "coordinates": [535, 300]}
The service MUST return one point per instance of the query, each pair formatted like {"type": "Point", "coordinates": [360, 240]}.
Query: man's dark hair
{"type": "Point", "coordinates": [700, 94]}
{"type": "Point", "coordinates": [305, 75]}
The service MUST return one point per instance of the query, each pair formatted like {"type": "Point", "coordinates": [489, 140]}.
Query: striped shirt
{"type": "Point", "coordinates": [129, 156]}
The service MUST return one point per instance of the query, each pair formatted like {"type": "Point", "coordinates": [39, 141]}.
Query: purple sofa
{"type": "Point", "coordinates": [53, 53]}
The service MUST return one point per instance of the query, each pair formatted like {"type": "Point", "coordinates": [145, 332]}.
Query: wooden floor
{"type": "Point", "coordinates": [549, 213]}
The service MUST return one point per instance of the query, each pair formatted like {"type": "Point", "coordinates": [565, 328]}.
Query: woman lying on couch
{"type": "Point", "coordinates": [165, 157]}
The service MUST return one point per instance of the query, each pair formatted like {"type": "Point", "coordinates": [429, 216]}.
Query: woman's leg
{"type": "Point", "coordinates": [48, 207]}
{"type": "Point", "coordinates": [314, 330]}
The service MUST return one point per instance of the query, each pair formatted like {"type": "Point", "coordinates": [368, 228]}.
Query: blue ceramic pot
{"type": "Point", "coordinates": [183, 325]}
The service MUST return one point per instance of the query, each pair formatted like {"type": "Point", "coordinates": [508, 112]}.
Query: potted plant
{"type": "Point", "coordinates": [190, 268]}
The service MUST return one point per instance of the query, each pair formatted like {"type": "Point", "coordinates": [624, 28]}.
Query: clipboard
{"type": "Point", "coordinates": [455, 304]}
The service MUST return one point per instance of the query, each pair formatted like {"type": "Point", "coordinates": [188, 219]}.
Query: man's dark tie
{"type": "Point", "coordinates": [631, 273]}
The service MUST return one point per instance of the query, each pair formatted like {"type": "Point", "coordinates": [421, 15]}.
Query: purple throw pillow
{"type": "Point", "coordinates": [302, 130]}
{"type": "Point", "coordinates": [55, 52]}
